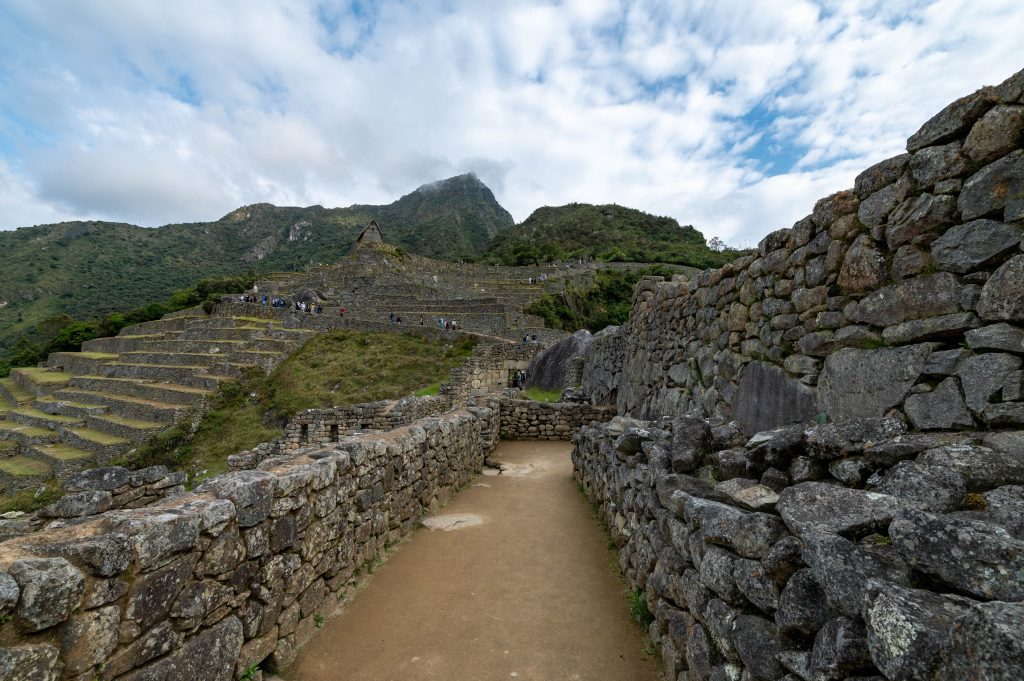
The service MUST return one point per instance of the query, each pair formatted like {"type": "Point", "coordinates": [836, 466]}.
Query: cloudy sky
{"type": "Point", "coordinates": [731, 116]}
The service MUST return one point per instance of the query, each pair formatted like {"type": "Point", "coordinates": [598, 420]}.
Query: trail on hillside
{"type": "Point", "coordinates": [515, 582]}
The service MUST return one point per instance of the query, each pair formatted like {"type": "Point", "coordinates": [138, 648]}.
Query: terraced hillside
{"type": "Point", "coordinates": [375, 283]}
{"type": "Point", "coordinates": [86, 408]}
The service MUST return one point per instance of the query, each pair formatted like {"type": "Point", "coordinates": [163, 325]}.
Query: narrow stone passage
{"type": "Point", "coordinates": [529, 593]}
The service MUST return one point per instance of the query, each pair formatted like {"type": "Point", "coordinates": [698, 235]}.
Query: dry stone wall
{"type": "Point", "coordinates": [238, 572]}
{"type": "Point", "coordinates": [844, 551]}
{"type": "Point", "coordinates": [903, 295]}
{"type": "Point", "coordinates": [529, 420]}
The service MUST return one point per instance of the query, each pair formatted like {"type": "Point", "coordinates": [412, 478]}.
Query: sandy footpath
{"type": "Point", "coordinates": [516, 582]}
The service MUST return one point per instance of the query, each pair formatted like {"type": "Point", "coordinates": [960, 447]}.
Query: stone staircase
{"type": "Point", "coordinates": [87, 408]}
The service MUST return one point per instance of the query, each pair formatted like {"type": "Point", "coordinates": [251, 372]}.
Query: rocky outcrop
{"type": "Point", "coordinates": [876, 303]}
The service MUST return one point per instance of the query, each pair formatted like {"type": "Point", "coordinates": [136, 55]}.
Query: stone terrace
{"type": "Point", "coordinates": [87, 408]}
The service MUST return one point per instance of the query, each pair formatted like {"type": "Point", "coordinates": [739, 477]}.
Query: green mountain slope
{"type": "Point", "coordinates": [88, 269]}
{"type": "Point", "coordinates": [607, 232]}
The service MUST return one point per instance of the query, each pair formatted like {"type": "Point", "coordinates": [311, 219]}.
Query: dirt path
{"type": "Point", "coordinates": [530, 593]}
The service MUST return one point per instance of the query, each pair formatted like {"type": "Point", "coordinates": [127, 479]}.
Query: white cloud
{"type": "Point", "coordinates": [155, 112]}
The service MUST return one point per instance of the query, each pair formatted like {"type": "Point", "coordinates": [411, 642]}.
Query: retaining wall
{"type": "Point", "coordinates": [238, 572]}
{"type": "Point", "coordinates": [904, 295]}
{"type": "Point", "coordinates": [847, 551]}
{"type": "Point", "coordinates": [529, 420]}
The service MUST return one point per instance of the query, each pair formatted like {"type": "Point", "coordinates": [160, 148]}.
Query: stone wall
{"type": "Point", "coordinates": [529, 420]}
{"type": "Point", "coordinates": [845, 551]}
{"type": "Point", "coordinates": [237, 573]}
{"type": "Point", "coordinates": [903, 295]}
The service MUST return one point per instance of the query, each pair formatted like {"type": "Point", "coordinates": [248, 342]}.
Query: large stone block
{"type": "Point", "coordinates": [988, 191]}
{"type": "Point", "coordinates": [917, 298]}
{"type": "Point", "coordinates": [843, 569]}
{"type": "Point", "coordinates": [983, 375]}
{"type": "Point", "coordinates": [868, 383]}
{"type": "Point", "coordinates": [920, 218]}
{"type": "Point", "coordinates": [51, 589]}
{"type": "Point", "coordinates": [987, 643]}
{"type": "Point", "coordinates": [880, 175]}
{"type": "Point", "coordinates": [768, 397]}
{"type": "Point", "coordinates": [821, 507]}
{"type": "Point", "coordinates": [973, 245]}
{"type": "Point", "coordinates": [39, 662]}
{"type": "Point", "coordinates": [997, 133]}
{"type": "Point", "coordinates": [973, 557]}
{"type": "Point", "coordinates": [983, 468]}
{"type": "Point", "coordinates": [940, 409]}
{"type": "Point", "coordinates": [909, 630]}
{"type": "Point", "coordinates": [1002, 297]}
{"type": "Point", "coordinates": [954, 120]}
{"type": "Point", "coordinates": [864, 266]}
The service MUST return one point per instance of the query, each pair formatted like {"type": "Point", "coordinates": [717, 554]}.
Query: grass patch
{"type": "Point", "coordinates": [43, 375]}
{"type": "Point", "coordinates": [24, 466]}
{"type": "Point", "coordinates": [31, 499]}
{"type": "Point", "coordinates": [638, 608]}
{"type": "Point", "coordinates": [432, 389]}
{"type": "Point", "coordinates": [336, 368]}
{"type": "Point", "coordinates": [541, 395]}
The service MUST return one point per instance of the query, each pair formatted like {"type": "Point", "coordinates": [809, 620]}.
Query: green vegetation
{"type": "Point", "coordinates": [432, 389]}
{"type": "Point", "coordinates": [31, 499]}
{"type": "Point", "coordinates": [541, 395]}
{"type": "Point", "coordinates": [638, 608]}
{"type": "Point", "coordinates": [340, 367]}
{"type": "Point", "coordinates": [605, 303]}
{"type": "Point", "coordinates": [65, 334]}
{"type": "Point", "coordinates": [87, 270]}
{"type": "Point", "coordinates": [610, 233]}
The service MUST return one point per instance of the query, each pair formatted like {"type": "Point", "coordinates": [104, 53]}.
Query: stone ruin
{"type": "Point", "coordinates": [816, 472]}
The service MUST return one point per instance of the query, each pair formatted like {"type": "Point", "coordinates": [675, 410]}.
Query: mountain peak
{"type": "Point", "coordinates": [464, 181]}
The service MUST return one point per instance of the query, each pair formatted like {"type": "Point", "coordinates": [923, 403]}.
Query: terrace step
{"type": "Point", "coordinates": [65, 460]}
{"type": "Point", "coordinates": [181, 374]}
{"type": "Point", "coordinates": [130, 429]}
{"type": "Point", "coordinates": [104, 445]}
{"type": "Point", "coordinates": [160, 391]}
{"type": "Point", "coordinates": [31, 416]}
{"type": "Point", "coordinates": [124, 405]}
{"type": "Point", "coordinates": [22, 472]}
{"type": "Point", "coordinates": [12, 393]}
{"type": "Point", "coordinates": [117, 344]}
{"type": "Point", "coordinates": [27, 435]}
{"type": "Point", "coordinates": [158, 326]}
{"type": "Point", "coordinates": [21, 466]}
{"type": "Point", "coordinates": [38, 380]}
{"type": "Point", "coordinates": [79, 362]}
{"type": "Point", "coordinates": [65, 406]}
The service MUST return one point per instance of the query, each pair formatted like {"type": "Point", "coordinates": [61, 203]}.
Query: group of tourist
{"type": "Point", "coordinates": [529, 338]}
{"type": "Point", "coordinates": [311, 308]}
{"type": "Point", "coordinates": [395, 318]}
{"type": "Point", "coordinates": [539, 279]}
{"type": "Point", "coordinates": [519, 380]}
{"type": "Point", "coordinates": [263, 300]}
{"type": "Point", "coordinates": [448, 324]}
